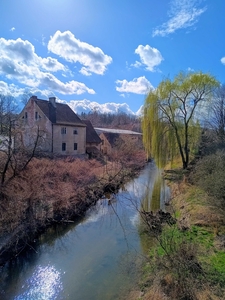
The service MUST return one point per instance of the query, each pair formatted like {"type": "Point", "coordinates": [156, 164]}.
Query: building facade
{"type": "Point", "coordinates": [60, 131]}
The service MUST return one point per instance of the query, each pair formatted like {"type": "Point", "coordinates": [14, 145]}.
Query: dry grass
{"type": "Point", "coordinates": [195, 206]}
{"type": "Point", "coordinates": [55, 190]}
{"type": "Point", "coordinates": [46, 189]}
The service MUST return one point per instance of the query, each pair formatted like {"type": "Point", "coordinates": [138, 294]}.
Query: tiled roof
{"type": "Point", "coordinates": [61, 114]}
{"type": "Point", "coordinates": [91, 134]}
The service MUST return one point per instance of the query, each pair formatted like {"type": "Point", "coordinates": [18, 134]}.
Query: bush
{"type": "Point", "coordinates": [209, 174]}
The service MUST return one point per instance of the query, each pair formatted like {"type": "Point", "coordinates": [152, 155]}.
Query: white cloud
{"type": "Point", "coordinates": [87, 106]}
{"type": "Point", "coordinates": [18, 61]}
{"type": "Point", "coordinates": [12, 29]}
{"type": "Point", "coordinates": [71, 87]}
{"type": "Point", "coordinates": [140, 111]}
{"type": "Point", "coordinates": [16, 91]}
{"type": "Point", "coordinates": [223, 60]}
{"type": "Point", "coordinates": [67, 46]}
{"type": "Point", "coordinates": [150, 57]}
{"type": "Point", "coordinates": [137, 86]}
{"type": "Point", "coordinates": [43, 40]}
{"type": "Point", "coordinates": [182, 14]}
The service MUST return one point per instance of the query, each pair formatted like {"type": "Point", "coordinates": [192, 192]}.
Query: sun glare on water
{"type": "Point", "coordinates": [44, 284]}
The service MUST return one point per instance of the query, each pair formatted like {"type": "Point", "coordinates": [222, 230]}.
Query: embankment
{"type": "Point", "coordinates": [188, 258]}
{"type": "Point", "coordinates": [53, 191]}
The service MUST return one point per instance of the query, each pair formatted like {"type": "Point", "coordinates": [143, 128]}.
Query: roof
{"type": "Point", "coordinates": [61, 114]}
{"type": "Point", "coordinates": [91, 134]}
{"type": "Point", "coordinates": [118, 131]}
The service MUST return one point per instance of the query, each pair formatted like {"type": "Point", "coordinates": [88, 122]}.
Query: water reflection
{"type": "Point", "coordinates": [91, 259]}
{"type": "Point", "coordinates": [157, 193]}
{"type": "Point", "coordinates": [44, 284]}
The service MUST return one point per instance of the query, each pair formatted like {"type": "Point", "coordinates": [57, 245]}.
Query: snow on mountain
{"type": "Point", "coordinates": [87, 106]}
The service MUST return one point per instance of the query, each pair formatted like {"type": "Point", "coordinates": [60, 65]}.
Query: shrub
{"type": "Point", "coordinates": [209, 174]}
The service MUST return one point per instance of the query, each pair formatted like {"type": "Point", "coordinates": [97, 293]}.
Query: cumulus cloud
{"type": "Point", "coordinates": [150, 57]}
{"type": "Point", "coordinates": [182, 14]}
{"type": "Point", "coordinates": [18, 61]}
{"type": "Point", "coordinates": [71, 87]}
{"type": "Point", "coordinates": [16, 91]}
{"type": "Point", "coordinates": [137, 86]}
{"type": "Point", "coordinates": [12, 29]}
{"type": "Point", "coordinates": [87, 106]}
{"type": "Point", "coordinates": [223, 60]}
{"type": "Point", "coordinates": [67, 46]}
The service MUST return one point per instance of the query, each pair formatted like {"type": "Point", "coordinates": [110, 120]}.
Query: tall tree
{"type": "Point", "coordinates": [172, 114]}
{"type": "Point", "coordinates": [217, 113]}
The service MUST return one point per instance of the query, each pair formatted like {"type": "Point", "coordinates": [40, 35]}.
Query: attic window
{"type": "Point", "coordinates": [36, 115]}
{"type": "Point", "coordinates": [25, 115]}
{"type": "Point", "coordinates": [63, 130]}
{"type": "Point", "coordinates": [75, 131]}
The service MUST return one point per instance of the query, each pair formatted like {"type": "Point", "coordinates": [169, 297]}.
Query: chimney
{"type": "Point", "coordinates": [52, 101]}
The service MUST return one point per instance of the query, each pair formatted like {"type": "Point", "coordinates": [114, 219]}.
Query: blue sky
{"type": "Point", "coordinates": [106, 51]}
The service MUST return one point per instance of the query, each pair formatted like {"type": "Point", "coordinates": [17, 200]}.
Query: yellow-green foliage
{"type": "Point", "coordinates": [170, 123]}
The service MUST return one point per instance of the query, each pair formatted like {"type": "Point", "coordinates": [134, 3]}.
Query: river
{"type": "Point", "coordinates": [95, 258]}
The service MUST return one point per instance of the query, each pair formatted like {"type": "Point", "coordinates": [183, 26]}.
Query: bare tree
{"type": "Point", "coordinates": [217, 118]}
{"type": "Point", "coordinates": [14, 159]}
{"type": "Point", "coordinates": [8, 111]}
{"type": "Point", "coordinates": [25, 97]}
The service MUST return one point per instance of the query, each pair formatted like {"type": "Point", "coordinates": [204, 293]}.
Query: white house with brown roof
{"type": "Point", "coordinates": [62, 131]}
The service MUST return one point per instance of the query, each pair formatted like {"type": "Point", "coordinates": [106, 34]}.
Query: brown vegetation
{"type": "Point", "coordinates": [53, 190]}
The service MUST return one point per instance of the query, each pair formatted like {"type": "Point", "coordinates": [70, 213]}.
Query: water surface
{"type": "Point", "coordinates": [96, 258]}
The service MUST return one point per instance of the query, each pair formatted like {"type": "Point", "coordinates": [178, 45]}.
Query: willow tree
{"type": "Point", "coordinates": [172, 113]}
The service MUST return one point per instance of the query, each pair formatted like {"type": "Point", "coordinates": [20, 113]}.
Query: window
{"type": "Point", "coordinates": [25, 115]}
{"type": "Point", "coordinates": [75, 131]}
{"type": "Point", "coordinates": [63, 146]}
{"type": "Point", "coordinates": [63, 130]}
{"type": "Point", "coordinates": [75, 146]}
{"type": "Point", "coordinates": [36, 115]}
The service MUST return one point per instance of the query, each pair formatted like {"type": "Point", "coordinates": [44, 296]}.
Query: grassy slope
{"type": "Point", "coordinates": [200, 234]}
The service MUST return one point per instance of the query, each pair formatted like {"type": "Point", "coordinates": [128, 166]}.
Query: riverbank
{"type": "Point", "coordinates": [188, 258]}
{"type": "Point", "coordinates": [54, 191]}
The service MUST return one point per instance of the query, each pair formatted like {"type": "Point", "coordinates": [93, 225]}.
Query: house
{"type": "Point", "coordinates": [112, 138]}
{"type": "Point", "coordinates": [93, 141]}
{"type": "Point", "coordinates": [61, 131]}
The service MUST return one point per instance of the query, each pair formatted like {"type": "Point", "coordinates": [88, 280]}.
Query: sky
{"type": "Point", "coordinates": [106, 53]}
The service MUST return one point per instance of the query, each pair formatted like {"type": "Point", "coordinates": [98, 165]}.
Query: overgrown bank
{"type": "Point", "coordinates": [188, 259]}
{"type": "Point", "coordinates": [51, 191]}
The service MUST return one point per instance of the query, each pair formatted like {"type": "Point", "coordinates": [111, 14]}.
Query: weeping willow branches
{"type": "Point", "coordinates": [170, 122]}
